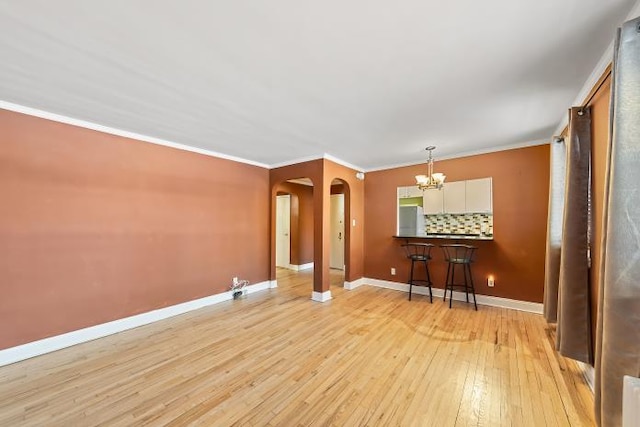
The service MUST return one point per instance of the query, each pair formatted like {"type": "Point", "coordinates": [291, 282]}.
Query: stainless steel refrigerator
{"type": "Point", "coordinates": [411, 221]}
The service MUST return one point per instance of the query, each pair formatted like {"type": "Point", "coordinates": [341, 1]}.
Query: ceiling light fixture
{"type": "Point", "coordinates": [432, 180]}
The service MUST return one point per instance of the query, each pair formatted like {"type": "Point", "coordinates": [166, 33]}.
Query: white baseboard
{"type": "Point", "coordinates": [273, 284]}
{"type": "Point", "coordinates": [58, 342]}
{"type": "Point", "coordinates": [321, 296]}
{"type": "Point", "coordinates": [356, 283]}
{"type": "Point", "coordinates": [589, 374]}
{"type": "Point", "coordinates": [294, 267]}
{"type": "Point", "coordinates": [531, 307]}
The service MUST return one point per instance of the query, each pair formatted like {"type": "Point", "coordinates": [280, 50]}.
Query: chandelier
{"type": "Point", "coordinates": [431, 180]}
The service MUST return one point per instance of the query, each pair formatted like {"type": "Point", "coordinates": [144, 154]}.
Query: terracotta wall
{"type": "Point", "coordinates": [301, 221]}
{"type": "Point", "coordinates": [277, 177]}
{"type": "Point", "coordinates": [337, 189]}
{"type": "Point", "coordinates": [322, 172]}
{"type": "Point", "coordinates": [599, 145]}
{"type": "Point", "coordinates": [95, 227]}
{"type": "Point", "coordinates": [354, 191]}
{"type": "Point", "coordinates": [520, 198]}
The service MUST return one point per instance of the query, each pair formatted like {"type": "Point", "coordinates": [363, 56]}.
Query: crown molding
{"type": "Point", "coordinates": [30, 111]}
{"type": "Point", "coordinates": [342, 162]}
{"type": "Point", "coordinates": [589, 84]}
{"type": "Point", "coordinates": [634, 12]}
{"type": "Point", "coordinates": [295, 161]}
{"type": "Point", "coordinates": [301, 181]}
{"type": "Point", "coordinates": [158, 141]}
{"type": "Point", "coordinates": [464, 154]}
{"type": "Point", "coordinates": [325, 156]}
{"type": "Point", "coordinates": [598, 70]}
{"type": "Point", "coordinates": [119, 132]}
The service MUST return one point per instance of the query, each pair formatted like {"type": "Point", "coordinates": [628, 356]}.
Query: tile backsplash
{"type": "Point", "coordinates": [471, 223]}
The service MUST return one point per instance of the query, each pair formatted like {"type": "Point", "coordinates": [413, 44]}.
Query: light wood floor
{"type": "Point", "coordinates": [368, 357]}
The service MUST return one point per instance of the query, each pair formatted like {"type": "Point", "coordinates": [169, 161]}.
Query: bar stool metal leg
{"type": "Point", "coordinates": [473, 289]}
{"type": "Point", "coordinates": [446, 282]}
{"type": "Point", "coordinates": [453, 275]}
{"type": "Point", "coordinates": [419, 253]}
{"type": "Point", "coordinates": [426, 268]}
{"type": "Point", "coordinates": [462, 256]}
{"type": "Point", "coordinates": [411, 279]}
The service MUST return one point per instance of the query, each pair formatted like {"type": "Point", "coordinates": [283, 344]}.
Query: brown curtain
{"type": "Point", "coordinates": [574, 308]}
{"type": "Point", "coordinates": [554, 229]}
{"type": "Point", "coordinates": [618, 332]}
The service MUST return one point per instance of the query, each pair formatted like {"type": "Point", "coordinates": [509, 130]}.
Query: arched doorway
{"type": "Point", "coordinates": [322, 174]}
{"type": "Point", "coordinates": [283, 230]}
{"type": "Point", "coordinates": [339, 229]}
{"type": "Point", "coordinates": [293, 235]}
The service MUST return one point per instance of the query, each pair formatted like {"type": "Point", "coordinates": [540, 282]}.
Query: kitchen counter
{"type": "Point", "coordinates": [448, 237]}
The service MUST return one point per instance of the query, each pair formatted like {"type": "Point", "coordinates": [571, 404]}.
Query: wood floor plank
{"type": "Point", "coordinates": [367, 357]}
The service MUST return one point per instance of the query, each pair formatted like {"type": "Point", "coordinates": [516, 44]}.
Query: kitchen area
{"type": "Point", "coordinates": [459, 210]}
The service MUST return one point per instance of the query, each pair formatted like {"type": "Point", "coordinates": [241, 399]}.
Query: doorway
{"type": "Point", "coordinates": [337, 232]}
{"type": "Point", "coordinates": [283, 231]}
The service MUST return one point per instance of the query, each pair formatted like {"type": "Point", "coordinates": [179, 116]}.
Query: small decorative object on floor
{"type": "Point", "coordinates": [238, 287]}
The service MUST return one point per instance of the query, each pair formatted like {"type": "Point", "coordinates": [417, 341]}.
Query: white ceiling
{"type": "Point", "coordinates": [370, 82]}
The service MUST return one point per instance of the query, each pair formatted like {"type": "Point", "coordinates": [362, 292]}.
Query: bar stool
{"type": "Point", "coordinates": [419, 253]}
{"type": "Point", "coordinates": [462, 256]}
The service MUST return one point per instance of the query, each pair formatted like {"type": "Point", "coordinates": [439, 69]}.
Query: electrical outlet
{"type": "Point", "coordinates": [491, 282]}
{"type": "Point", "coordinates": [393, 271]}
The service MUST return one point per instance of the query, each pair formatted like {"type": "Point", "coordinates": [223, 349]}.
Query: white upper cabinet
{"type": "Point", "coordinates": [454, 197]}
{"type": "Point", "coordinates": [406, 192]}
{"type": "Point", "coordinates": [433, 201]}
{"type": "Point", "coordinates": [414, 191]}
{"type": "Point", "coordinates": [478, 196]}
{"type": "Point", "coordinates": [457, 197]}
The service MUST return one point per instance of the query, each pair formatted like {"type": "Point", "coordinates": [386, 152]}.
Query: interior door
{"type": "Point", "coordinates": [283, 223]}
{"type": "Point", "coordinates": [337, 231]}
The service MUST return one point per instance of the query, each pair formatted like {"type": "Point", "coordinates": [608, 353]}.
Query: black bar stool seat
{"type": "Point", "coordinates": [460, 256]}
{"type": "Point", "coordinates": [419, 253]}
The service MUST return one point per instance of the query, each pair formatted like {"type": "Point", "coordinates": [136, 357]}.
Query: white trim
{"type": "Point", "coordinates": [588, 373]}
{"type": "Point", "coordinates": [342, 162]}
{"type": "Point", "coordinates": [589, 84]}
{"type": "Point", "coordinates": [321, 296]}
{"type": "Point", "coordinates": [634, 12]}
{"type": "Point", "coordinates": [531, 307]}
{"type": "Point", "coordinates": [295, 161]}
{"type": "Point", "coordinates": [487, 150]}
{"type": "Point", "coordinates": [273, 284]}
{"type": "Point", "coordinates": [316, 157]}
{"type": "Point", "coordinates": [58, 342]}
{"type": "Point", "coordinates": [352, 285]}
{"type": "Point", "coordinates": [598, 70]}
{"type": "Point", "coordinates": [301, 181]}
{"type": "Point", "coordinates": [307, 266]}
{"type": "Point", "coordinates": [113, 131]}
{"type": "Point", "coordinates": [300, 267]}
{"type": "Point", "coordinates": [158, 141]}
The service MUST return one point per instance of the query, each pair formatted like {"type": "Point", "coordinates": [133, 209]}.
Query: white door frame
{"type": "Point", "coordinates": [337, 232]}
{"type": "Point", "coordinates": [283, 231]}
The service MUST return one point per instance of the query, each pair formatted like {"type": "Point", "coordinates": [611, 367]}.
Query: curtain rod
{"type": "Point", "coordinates": [603, 78]}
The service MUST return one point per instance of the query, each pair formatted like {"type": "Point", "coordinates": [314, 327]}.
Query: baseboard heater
{"type": "Point", "coordinates": [631, 402]}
